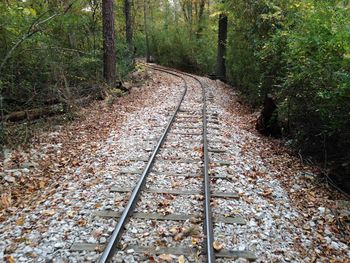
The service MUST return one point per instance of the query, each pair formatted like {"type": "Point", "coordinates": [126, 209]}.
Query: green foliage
{"type": "Point", "coordinates": [62, 51]}
{"type": "Point", "coordinates": [298, 51]}
{"type": "Point", "coordinates": [188, 44]}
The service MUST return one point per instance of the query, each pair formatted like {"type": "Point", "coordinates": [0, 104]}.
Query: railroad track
{"type": "Point", "coordinates": [179, 210]}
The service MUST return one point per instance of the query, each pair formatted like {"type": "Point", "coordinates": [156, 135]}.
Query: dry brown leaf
{"type": "Point", "coordinates": [199, 197]}
{"type": "Point", "coordinates": [49, 212]}
{"type": "Point", "coordinates": [195, 219]}
{"type": "Point", "coordinates": [267, 192]}
{"type": "Point", "coordinates": [71, 214]}
{"type": "Point", "coordinates": [97, 233]}
{"type": "Point", "coordinates": [119, 199]}
{"type": "Point", "coordinates": [20, 221]}
{"type": "Point", "coordinates": [5, 200]}
{"type": "Point", "coordinates": [41, 184]}
{"type": "Point", "coordinates": [217, 245]}
{"type": "Point", "coordinates": [81, 222]}
{"type": "Point", "coordinates": [178, 237]}
{"type": "Point", "coordinates": [10, 259]}
{"type": "Point", "coordinates": [166, 257]}
{"type": "Point", "coordinates": [173, 230]}
{"type": "Point", "coordinates": [192, 231]}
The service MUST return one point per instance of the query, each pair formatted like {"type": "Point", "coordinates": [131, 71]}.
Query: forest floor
{"type": "Point", "coordinates": [49, 187]}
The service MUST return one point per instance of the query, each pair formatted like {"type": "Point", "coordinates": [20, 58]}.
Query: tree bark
{"type": "Point", "coordinates": [200, 17]}
{"type": "Point", "coordinates": [267, 122]}
{"type": "Point", "coordinates": [148, 56]}
{"type": "Point", "coordinates": [109, 58]}
{"type": "Point", "coordinates": [222, 38]}
{"type": "Point", "coordinates": [34, 113]}
{"type": "Point", "coordinates": [128, 26]}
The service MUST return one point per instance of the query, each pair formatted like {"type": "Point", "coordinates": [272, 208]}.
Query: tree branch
{"type": "Point", "coordinates": [33, 28]}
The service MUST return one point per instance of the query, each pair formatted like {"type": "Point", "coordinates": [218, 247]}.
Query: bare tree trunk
{"type": "Point", "coordinates": [190, 14]}
{"type": "Point", "coordinates": [208, 8]}
{"type": "Point", "coordinates": [175, 13]}
{"type": "Point", "coordinates": [148, 57]}
{"type": "Point", "coordinates": [109, 58]}
{"type": "Point", "coordinates": [128, 26]}
{"type": "Point", "coordinates": [222, 37]}
{"type": "Point", "coordinates": [200, 17]}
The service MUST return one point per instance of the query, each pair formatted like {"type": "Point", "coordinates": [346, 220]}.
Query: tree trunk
{"type": "Point", "coordinates": [148, 57]}
{"type": "Point", "coordinates": [128, 26]}
{"type": "Point", "coordinates": [200, 17]}
{"type": "Point", "coordinates": [109, 58]}
{"type": "Point", "coordinates": [34, 113]}
{"type": "Point", "coordinates": [267, 122]}
{"type": "Point", "coordinates": [222, 38]}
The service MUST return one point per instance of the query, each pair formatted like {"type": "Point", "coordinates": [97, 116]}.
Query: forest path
{"type": "Point", "coordinates": [50, 189]}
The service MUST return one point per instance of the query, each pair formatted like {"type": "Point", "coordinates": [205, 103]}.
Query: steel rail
{"type": "Point", "coordinates": [208, 224]}
{"type": "Point", "coordinates": [111, 246]}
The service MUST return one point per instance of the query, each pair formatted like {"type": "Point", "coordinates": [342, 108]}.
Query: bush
{"type": "Point", "coordinates": [299, 51]}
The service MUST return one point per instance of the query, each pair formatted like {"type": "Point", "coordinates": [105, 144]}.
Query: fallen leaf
{"type": "Point", "coordinates": [194, 241]}
{"type": "Point", "coordinates": [217, 245]}
{"type": "Point", "coordinates": [41, 184]}
{"type": "Point", "coordinates": [166, 257]}
{"type": "Point", "coordinates": [81, 222]}
{"type": "Point", "coordinates": [181, 259]}
{"type": "Point", "coordinates": [20, 221]}
{"type": "Point", "coordinates": [48, 212]}
{"type": "Point", "coordinates": [173, 230]}
{"type": "Point", "coordinates": [195, 219]}
{"type": "Point", "coordinates": [267, 192]}
{"type": "Point", "coordinates": [71, 214]}
{"type": "Point", "coordinates": [10, 259]}
{"type": "Point", "coordinates": [192, 231]}
{"type": "Point", "coordinates": [5, 200]}
{"type": "Point", "coordinates": [119, 199]}
{"type": "Point", "coordinates": [199, 197]}
{"type": "Point", "coordinates": [178, 237]}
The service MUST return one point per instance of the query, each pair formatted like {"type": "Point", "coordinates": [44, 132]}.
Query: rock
{"type": "Point", "coordinates": [103, 240]}
{"type": "Point", "coordinates": [335, 245]}
{"type": "Point", "coordinates": [130, 251]}
{"type": "Point", "coordinates": [25, 170]}
{"type": "Point", "coordinates": [9, 179]}
{"type": "Point", "coordinates": [91, 240]}
{"type": "Point", "coordinates": [242, 247]}
{"type": "Point", "coordinates": [27, 249]}
{"type": "Point", "coordinates": [242, 260]}
{"type": "Point", "coordinates": [59, 260]}
{"type": "Point", "coordinates": [322, 210]}
{"type": "Point", "coordinates": [133, 230]}
{"type": "Point", "coordinates": [296, 187]}
{"type": "Point", "coordinates": [59, 245]}
{"type": "Point", "coordinates": [328, 240]}
{"type": "Point", "coordinates": [252, 223]}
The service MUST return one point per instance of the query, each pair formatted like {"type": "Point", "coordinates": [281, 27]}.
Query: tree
{"type": "Point", "coordinates": [148, 56]}
{"type": "Point", "coordinates": [222, 38]}
{"type": "Point", "coordinates": [200, 17]}
{"type": "Point", "coordinates": [109, 57]}
{"type": "Point", "coordinates": [128, 26]}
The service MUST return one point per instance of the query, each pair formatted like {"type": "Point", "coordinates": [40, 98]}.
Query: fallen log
{"type": "Point", "coordinates": [33, 114]}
